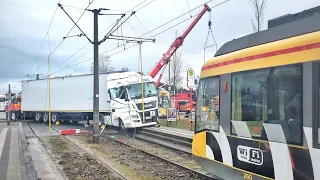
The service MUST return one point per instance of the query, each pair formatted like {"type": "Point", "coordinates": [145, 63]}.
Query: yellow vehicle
{"type": "Point", "coordinates": [163, 103]}
{"type": "Point", "coordinates": [268, 125]}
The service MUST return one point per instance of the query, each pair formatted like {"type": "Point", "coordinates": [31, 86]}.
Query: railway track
{"type": "Point", "coordinates": [151, 153]}
{"type": "Point", "coordinates": [98, 159]}
{"type": "Point", "coordinates": [160, 139]}
{"type": "Point", "coordinates": [168, 139]}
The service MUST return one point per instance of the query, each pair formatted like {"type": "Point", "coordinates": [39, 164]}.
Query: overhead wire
{"type": "Point", "coordinates": [132, 28]}
{"type": "Point", "coordinates": [173, 20]}
{"type": "Point", "coordinates": [68, 65]}
{"type": "Point", "coordinates": [181, 16]}
{"type": "Point", "coordinates": [54, 14]}
{"type": "Point", "coordinates": [66, 35]}
{"type": "Point", "coordinates": [109, 27]}
{"type": "Point", "coordinates": [151, 36]}
{"type": "Point", "coordinates": [145, 5]}
{"type": "Point", "coordinates": [171, 26]}
{"type": "Point", "coordinates": [74, 7]}
{"type": "Point", "coordinates": [137, 6]}
{"type": "Point", "coordinates": [140, 36]}
{"type": "Point", "coordinates": [189, 7]}
{"type": "Point", "coordinates": [149, 32]}
{"type": "Point", "coordinates": [80, 50]}
{"type": "Point", "coordinates": [166, 24]}
{"type": "Point", "coordinates": [158, 28]}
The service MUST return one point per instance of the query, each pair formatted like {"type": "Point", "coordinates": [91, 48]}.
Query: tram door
{"type": "Point", "coordinates": [316, 120]}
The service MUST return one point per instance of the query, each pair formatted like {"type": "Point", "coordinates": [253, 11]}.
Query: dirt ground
{"type": "Point", "coordinates": [176, 156]}
{"type": "Point", "coordinates": [73, 163]}
{"type": "Point", "coordinates": [134, 163]}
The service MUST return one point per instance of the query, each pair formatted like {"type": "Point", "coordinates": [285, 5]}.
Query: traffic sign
{"type": "Point", "coordinates": [190, 78]}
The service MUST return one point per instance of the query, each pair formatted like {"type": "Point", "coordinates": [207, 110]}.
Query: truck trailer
{"type": "Point", "coordinates": [72, 99]}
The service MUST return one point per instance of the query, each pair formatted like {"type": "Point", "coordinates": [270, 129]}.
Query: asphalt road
{"type": "Point", "coordinates": [42, 129]}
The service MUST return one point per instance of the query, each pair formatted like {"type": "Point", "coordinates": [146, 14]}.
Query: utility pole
{"type": "Point", "coordinates": [95, 77]}
{"type": "Point", "coordinates": [96, 43]}
{"type": "Point", "coordinates": [9, 110]}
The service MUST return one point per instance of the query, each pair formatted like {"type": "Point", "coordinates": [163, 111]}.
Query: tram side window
{"type": "Point", "coordinates": [318, 112]}
{"type": "Point", "coordinates": [271, 95]}
{"type": "Point", "coordinates": [208, 104]}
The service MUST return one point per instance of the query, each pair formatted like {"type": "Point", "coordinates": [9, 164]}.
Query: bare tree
{"type": "Point", "coordinates": [125, 69]}
{"type": "Point", "coordinates": [104, 64]}
{"type": "Point", "coordinates": [176, 78]}
{"type": "Point", "coordinates": [259, 7]}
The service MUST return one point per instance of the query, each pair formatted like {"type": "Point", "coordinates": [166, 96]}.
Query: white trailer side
{"type": "Point", "coordinates": [70, 94]}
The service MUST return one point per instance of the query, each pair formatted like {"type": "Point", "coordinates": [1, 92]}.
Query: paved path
{"type": "Point", "coordinates": [12, 162]}
{"type": "Point", "coordinates": [2, 115]}
{"type": "Point", "coordinates": [174, 131]}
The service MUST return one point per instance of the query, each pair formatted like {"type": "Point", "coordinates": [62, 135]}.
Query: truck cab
{"type": "Point", "coordinates": [130, 96]}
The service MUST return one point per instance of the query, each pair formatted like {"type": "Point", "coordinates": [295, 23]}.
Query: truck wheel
{"type": "Point", "coordinates": [101, 117]}
{"type": "Point", "coordinates": [121, 125]}
{"type": "Point", "coordinates": [54, 118]}
{"type": "Point", "coordinates": [37, 116]}
{"type": "Point", "coordinates": [45, 117]}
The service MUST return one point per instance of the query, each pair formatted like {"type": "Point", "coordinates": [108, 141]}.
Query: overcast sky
{"type": "Point", "coordinates": [24, 25]}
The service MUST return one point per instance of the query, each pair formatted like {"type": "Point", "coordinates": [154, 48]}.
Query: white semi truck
{"type": "Point", "coordinates": [72, 99]}
{"type": "Point", "coordinates": [3, 102]}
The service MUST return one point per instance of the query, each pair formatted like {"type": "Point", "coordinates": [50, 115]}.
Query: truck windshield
{"type": "Point", "coordinates": [136, 93]}
{"type": "Point", "coordinates": [2, 99]}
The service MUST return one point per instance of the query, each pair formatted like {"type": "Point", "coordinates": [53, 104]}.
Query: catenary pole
{"type": "Point", "coordinates": [95, 77]}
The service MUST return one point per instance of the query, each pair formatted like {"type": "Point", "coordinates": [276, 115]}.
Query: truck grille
{"type": "Point", "coordinates": [149, 105]}
{"type": "Point", "coordinates": [148, 118]}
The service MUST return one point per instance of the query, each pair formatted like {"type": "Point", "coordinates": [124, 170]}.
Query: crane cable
{"type": "Point", "coordinates": [209, 32]}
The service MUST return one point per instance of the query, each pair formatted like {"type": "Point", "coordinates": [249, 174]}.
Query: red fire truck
{"type": "Point", "coordinates": [183, 102]}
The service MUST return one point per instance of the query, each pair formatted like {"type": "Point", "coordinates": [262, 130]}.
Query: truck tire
{"type": "Point", "coordinates": [121, 125]}
{"type": "Point", "coordinates": [45, 117]}
{"type": "Point", "coordinates": [54, 118]}
{"type": "Point", "coordinates": [37, 116]}
{"type": "Point", "coordinates": [101, 117]}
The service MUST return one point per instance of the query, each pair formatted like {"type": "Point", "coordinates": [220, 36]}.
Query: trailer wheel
{"type": "Point", "coordinates": [54, 118]}
{"type": "Point", "coordinates": [37, 116]}
{"type": "Point", "coordinates": [45, 117]}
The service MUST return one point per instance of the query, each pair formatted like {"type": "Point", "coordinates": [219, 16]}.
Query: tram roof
{"type": "Point", "coordinates": [284, 40]}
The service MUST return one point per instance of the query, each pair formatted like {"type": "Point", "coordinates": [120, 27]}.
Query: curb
{"type": "Point", "coordinates": [26, 156]}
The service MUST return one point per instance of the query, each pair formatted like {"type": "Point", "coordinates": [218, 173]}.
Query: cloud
{"type": "Point", "coordinates": [24, 25]}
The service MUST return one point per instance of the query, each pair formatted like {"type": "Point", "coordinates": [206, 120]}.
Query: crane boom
{"type": "Point", "coordinates": [175, 45]}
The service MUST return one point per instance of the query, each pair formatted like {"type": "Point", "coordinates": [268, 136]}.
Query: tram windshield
{"type": "Point", "coordinates": [208, 104]}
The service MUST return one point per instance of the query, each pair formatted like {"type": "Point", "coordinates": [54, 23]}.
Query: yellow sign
{"type": "Point", "coordinates": [191, 72]}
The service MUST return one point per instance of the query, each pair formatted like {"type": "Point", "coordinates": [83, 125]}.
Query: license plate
{"type": "Point", "coordinates": [152, 113]}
